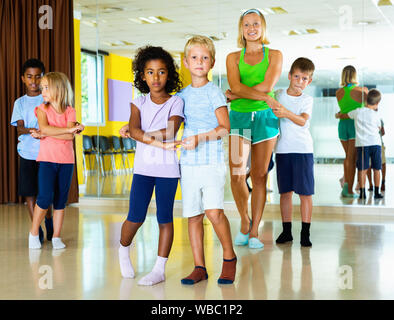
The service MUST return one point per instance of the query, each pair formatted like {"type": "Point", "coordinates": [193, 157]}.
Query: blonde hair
{"type": "Point", "coordinates": [201, 41]}
{"type": "Point", "coordinates": [241, 42]}
{"type": "Point", "coordinates": [60, 89]}
{"type": "Point", "coordinates": [349, 75]}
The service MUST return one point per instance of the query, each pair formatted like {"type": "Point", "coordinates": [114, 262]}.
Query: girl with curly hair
{"type": "Point", "coordinates": [154, 121]}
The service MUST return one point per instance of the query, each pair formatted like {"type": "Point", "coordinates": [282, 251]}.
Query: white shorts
{"type": "Point", "coordinates": [202, 188]}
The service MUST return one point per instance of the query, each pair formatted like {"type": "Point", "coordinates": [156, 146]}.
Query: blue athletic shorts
{"type": "Point", "coordinates": [54, 181]}
{"type": "Point", "coordinates": [141, 195]}
{"type": "Point", "coordinates": [370, 156]}
{"type": "Point", "coordinates": [294, 172]}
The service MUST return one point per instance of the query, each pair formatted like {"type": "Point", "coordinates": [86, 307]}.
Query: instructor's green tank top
{"type": "Point", "coordinates": [251, 76]}
{"type": "Point", "coordinates": [347, 104]}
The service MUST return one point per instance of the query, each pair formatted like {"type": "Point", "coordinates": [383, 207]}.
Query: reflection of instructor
{"type": "Point", "coordinates": [350, 97]}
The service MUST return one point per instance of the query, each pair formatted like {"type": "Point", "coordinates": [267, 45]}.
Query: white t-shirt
{"type": "Point", "coordinates": [294, 138]}
{"type": "Point", "coordinates": [367, 123]}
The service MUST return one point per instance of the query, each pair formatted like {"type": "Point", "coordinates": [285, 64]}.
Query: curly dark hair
{"type": "Point", "coordinates": [148, 53]}
{"type": "Point", "coordinates": [33, 63]}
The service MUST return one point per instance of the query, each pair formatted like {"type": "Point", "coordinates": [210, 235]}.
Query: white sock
{"type": "Point", "coordinates": [34, 242]}
{"type": "Point", "coordinates": [157, 274]}
{"type": "Point", "coordinates": [57, 243]}
{"type": "Point", "coordinates": [126, 268]}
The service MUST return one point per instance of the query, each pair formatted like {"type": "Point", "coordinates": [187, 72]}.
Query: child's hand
{"type": "Point", "coordinates": [280, 111]}
{"type": "Point", "coordinates": [124, 131]}
{"type": "Point", "coordinates": [80, 126]}
{"type": "Point", "coordinates": [337, 115]}
{"type": "Point", "coordinates": [36, 134]}
{"type": "Point", "coordinates": [230, 96]}
{"type": "Point", "coordinates": [171, 145]}
{"type": "Point", "coordinates": [272, 103]}
{"type": "Point", "coordinates": [190, 143]}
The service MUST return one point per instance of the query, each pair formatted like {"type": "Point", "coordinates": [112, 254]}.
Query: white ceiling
{"type": "Point", "coordinates": [369, 47]}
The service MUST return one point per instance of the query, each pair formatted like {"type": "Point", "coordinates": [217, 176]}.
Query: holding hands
{"type": "Point", "coordinates": [188, 143]}
{"type": "Point", "coordinates": [77, 129]}
{"type": "Point", "coordinates": [36, 134]}
{"type": "Point", "coordinates": [124, 132]}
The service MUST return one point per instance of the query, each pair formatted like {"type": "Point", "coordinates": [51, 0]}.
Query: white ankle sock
{"type": "Point", "coordinates": [126, 268]}
{"type": "Point", "coordinates": [34, 242]}
{"type": "Point", "coordinates": [157, 274]}
{"type": "Point", "coordinates": [57, 243]}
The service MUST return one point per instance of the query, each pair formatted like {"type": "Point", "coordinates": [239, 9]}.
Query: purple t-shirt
{"type": "Point", "coordinates": [152, 161]}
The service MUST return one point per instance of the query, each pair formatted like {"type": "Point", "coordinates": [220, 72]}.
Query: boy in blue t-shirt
{"type": "Point", "coordinates": [24, 119]}
{"type": "Point", "coordinates": [203, 170]}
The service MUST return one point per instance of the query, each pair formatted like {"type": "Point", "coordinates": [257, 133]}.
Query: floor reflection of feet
{"type": "Point", "coordinates": [58, 252]}
{"type": "Point", "coordinates": [34, 256]}
{"type": "Point", "coordinates": [306, 290]}
{"type": "Point", "coordinates": [125, 288]}
{"type": "Point", "coordinates": [157, 291]}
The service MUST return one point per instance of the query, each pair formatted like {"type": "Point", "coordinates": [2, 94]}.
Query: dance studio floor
{"type": "Point", "coordinates": [352, 257]}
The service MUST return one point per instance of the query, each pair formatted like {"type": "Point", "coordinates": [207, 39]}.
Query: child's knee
{"type": "Point", "coordinates": [259, 177]}
{"type": "Point", "coordinates": [215, 216]}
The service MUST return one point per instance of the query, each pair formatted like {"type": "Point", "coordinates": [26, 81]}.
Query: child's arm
{"type": "Point", "coordinates": [168, 133]}
{"type": "Point", "coordinates": [21, 129]}
{"type": "Point", "coordinates": [138, 134]}
{"type": "Point", "coordinates": [219, 132]}
{"type": "Point", "coordinates": [51, 131]}
{"type": "Point", "coordinates": [241, 90]}
{"type": "Point", "coordinates": [282, 112]}
{"type": "Point", "coordinates": [339, 115]}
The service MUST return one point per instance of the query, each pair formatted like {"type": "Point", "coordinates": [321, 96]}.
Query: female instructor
{"type": "Point", "coordinates": [252, 74]}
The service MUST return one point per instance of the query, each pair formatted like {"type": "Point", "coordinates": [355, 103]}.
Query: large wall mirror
{"type": "Point", "coordinates": [333, 34]}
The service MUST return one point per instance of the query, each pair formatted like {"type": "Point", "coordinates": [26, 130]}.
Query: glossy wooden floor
{"type": "Point", "coordinates": [352, 257]}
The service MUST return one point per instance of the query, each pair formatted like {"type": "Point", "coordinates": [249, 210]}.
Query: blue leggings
{"type": "Point", "coordinates": [54, 181]}
{"type": "Point", "coordinates": [141, 195]}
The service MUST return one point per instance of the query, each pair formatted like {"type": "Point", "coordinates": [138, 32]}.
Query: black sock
{"type": "Point", "coordinates": [377, 194]}
{"type": "Point", "coordinates": [362, 193]}
{"type": "Point", "coordinates": [286, 235]}
{"type": "Point", "coordinates": [305, 242]}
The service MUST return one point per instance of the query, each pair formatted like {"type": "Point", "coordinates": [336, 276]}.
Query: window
{"type": "Point", "coordinates": [92, 89]}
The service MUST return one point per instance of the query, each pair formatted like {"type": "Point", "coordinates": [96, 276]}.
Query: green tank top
{"type": "Point", "coordinates": [251, 76]}
{"type": "Point", "coordinates": [347, 104]}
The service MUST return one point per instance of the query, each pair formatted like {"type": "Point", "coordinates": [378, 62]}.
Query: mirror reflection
{"type": "Point", "coordinates": [343, 35]}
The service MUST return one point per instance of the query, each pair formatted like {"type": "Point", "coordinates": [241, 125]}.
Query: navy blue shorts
{"type": "Point", "coordinates": [141, 195]}
{"type": "Point", "coordinates": [370, 156]}
{"type": "Point", "coordinates": [294, 172]}
{"type": "Point", "coordinates": [54, 181]}
{"type": "Point", "coordinates": [28, 177]}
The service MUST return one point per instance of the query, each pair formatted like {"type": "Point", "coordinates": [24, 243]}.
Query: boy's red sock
{"type": "Point", "coordinates": [228, 271]}
{"type": "Point", "coordinates": [199, 273]}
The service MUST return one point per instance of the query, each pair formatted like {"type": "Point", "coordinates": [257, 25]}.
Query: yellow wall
{"type": "Point", "coordinates": [115, 68]}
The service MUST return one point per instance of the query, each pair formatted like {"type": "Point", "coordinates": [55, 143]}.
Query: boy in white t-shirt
{"type": "Point", "coordinates": [368, 142]}
{"type": "Point", "coordinates": [294, 149]}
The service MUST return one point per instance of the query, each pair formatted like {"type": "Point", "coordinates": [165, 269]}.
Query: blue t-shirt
{"type": "Point", "coordinates": [28, 146]}
{"type": "Point", "coordinates": [200, 117]}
